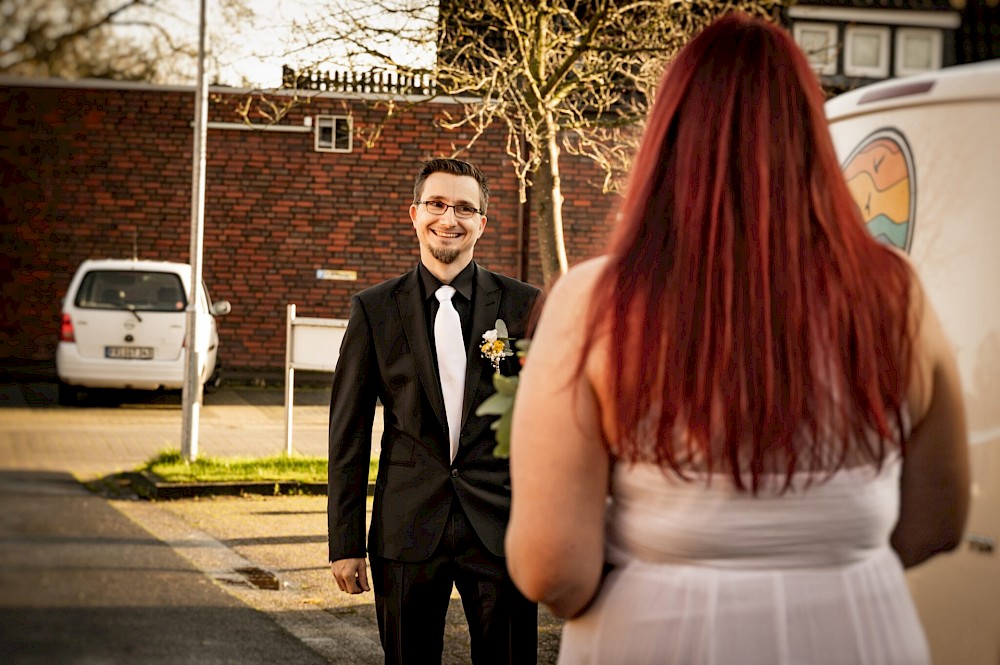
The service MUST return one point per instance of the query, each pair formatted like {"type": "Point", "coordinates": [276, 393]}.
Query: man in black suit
{"type": "Point", "coordinates": [442, 499]}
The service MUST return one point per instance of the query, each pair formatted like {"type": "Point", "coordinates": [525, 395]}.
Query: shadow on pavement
{"type": "Point", "coordinates": [84, 584]}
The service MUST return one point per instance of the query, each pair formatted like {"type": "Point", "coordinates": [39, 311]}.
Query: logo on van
{"type": "Point", "coordinates": [880, 175]}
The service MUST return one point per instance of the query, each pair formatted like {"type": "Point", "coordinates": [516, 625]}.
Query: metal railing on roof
{"type": "Point", "coordinates": [373, 82]}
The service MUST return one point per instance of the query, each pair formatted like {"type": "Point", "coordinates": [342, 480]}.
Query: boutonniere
{"type": "Point", "coordinates": [497, 344]}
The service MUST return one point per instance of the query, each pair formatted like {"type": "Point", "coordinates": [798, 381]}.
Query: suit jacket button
{"type": "Point", "coordinates": [454, 473]}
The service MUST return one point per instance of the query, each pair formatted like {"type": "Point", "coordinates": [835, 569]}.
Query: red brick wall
{"type": "Point", "coordinates": [87, 170]}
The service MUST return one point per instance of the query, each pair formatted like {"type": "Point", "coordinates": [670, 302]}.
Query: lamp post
{"type": "Point", "coordinates": [192, 391]}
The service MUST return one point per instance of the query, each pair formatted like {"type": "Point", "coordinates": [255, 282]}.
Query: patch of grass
{"type": "Point", "coordinates": [172, 468]}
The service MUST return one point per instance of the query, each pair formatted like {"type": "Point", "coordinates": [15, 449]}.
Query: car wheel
{"type": "Point", "coordinates": [68, 395]}
{"type": "Point", "coordinates": [214, 381]}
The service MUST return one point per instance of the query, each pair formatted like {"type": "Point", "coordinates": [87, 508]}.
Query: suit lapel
{"type": "Point", "coordinates": [484, 316]}
{"type": "Point", "coordinates": [411, 314]}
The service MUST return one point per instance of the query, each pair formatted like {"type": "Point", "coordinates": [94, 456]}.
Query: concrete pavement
{"type": "Point", "coordinates": [118, 432]}
{"type": "Point", "coordinates": [83, 584]}
{"type": "Point", "coordinates": [91, 579]}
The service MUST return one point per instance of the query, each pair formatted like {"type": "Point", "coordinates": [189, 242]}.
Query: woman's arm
{"type": "Point", "coordinates": [559, 465]}
{"type": "Point", "coordinates": [934, 490]}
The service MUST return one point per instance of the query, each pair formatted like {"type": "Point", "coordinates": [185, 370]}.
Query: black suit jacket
{"type": "Point", "coordinates": [386, 355]}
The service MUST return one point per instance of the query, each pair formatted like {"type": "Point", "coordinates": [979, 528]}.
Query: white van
{"type": "Point", "coordinates": [922, 157]}
{"type": "Point", "coordinates": [124, 326]}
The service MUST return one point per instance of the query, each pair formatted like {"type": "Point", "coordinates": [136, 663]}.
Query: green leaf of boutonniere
{"type": "Point", "coordinates": [505, 385]}
{"type": "Point", "coordinates": [501, 403]}
{"type": "Point", "coordinates": [496, 404]}
{"type": "Point", "coordinates": [502, 426]}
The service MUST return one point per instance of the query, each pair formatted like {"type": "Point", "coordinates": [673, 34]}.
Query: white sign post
{"type": "Point", "coordinates": [311, 344]}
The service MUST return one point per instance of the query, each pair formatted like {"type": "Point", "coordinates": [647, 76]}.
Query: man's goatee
{"type": "Point", "coordinates": [444, 255]}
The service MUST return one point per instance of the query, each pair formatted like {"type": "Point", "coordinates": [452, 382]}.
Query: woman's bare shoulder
{"type": "Point", "coordinates": [579, 280]}
{"type": "Point", "coordinates": [569, 301]}
{"type": "Point", "coordinates": [931, 349]}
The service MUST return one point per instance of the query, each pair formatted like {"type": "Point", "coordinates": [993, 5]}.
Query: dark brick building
{"type": "Point", "coordinates": [101, 169]}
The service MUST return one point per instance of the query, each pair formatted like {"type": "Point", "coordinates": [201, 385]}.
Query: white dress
{"type": "Point", "coordinates": [704, 574]}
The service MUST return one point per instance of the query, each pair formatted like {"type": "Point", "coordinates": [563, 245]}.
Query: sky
{"type": "Point", "coordinates": [254, 50]}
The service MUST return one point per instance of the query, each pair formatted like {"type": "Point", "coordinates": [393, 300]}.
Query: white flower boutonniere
{"type": "Point", "coordinates": [497, 344]}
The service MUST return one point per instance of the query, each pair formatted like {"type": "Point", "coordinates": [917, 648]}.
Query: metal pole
{"type": "Point", "coordinates": [289, 376]}
{"type": "Point", "coordinates": [192, 394]}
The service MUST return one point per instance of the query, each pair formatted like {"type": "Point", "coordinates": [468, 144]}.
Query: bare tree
{"type": "Point", "coordinates": [140, 40]}
{"type": "Point", "coordinates": [573, 75]}
{"type": "Point", "coordinates": [72, 40]}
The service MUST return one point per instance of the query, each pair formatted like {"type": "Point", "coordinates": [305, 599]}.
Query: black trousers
{"type": "Point", "coordinates": [411, 602]}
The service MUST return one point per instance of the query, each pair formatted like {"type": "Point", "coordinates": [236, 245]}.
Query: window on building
{"type": "Point", "coordinates": [866, 51]}
{"type": "Point", "coordinates": [333, 133]}
{"type": "Point", "coordinates": [819, 42]}
{"type": "Point", "coordinates": [917, 50]}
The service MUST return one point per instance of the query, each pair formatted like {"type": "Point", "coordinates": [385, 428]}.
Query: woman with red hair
{"type": "Point", "coordinates": [738, 427]}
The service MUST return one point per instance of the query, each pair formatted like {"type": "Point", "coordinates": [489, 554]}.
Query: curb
{"type": "Point", "coordinates": [150, 486]}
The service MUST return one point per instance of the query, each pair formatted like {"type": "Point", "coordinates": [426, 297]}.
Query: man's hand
{"type": "Point", "coordinates": [351, 575]}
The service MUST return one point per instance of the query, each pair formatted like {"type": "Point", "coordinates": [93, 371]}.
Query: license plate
{"type": "Point", "coordinates": [129, 352]}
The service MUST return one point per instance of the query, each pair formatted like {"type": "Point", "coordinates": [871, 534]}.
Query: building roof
{"type": "Point", "coordinates": [912, 5]}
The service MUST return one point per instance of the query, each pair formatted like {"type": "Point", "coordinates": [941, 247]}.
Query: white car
{"type": "Point", "coordinates": [124, 326]}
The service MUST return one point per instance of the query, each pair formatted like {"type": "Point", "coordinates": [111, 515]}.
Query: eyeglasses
{"type": "Point", "coordinates": [440, 207]}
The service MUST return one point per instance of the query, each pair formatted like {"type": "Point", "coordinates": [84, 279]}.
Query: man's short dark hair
{"type": "Point", "coordinates": [454, 167]}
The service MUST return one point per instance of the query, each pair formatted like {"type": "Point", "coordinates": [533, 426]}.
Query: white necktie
{"type": "Point", "coordinates": [451, 357]}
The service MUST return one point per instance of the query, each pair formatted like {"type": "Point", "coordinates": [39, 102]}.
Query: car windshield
{"type": "Point", "coordinates": [132, 289]}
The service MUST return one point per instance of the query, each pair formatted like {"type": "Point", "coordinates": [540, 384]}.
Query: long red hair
{"type": "Point", "coordinates": [756, 326]}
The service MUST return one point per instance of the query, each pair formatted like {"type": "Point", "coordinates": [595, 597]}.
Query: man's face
{"type": "Point", "coordinates": [446, 238]}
